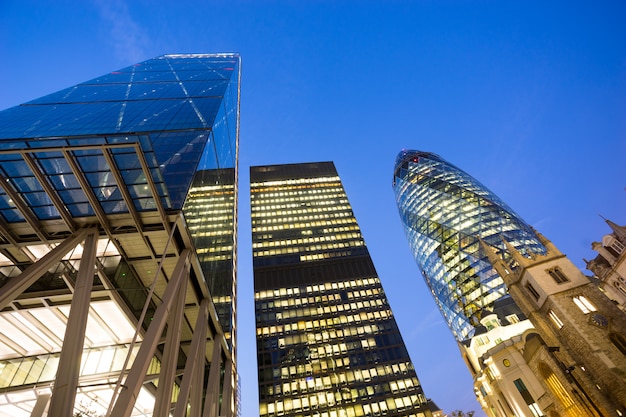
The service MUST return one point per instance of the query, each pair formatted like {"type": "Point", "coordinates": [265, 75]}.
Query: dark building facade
{"type": "Point", "coordinates": [327, 341]}
{"type": "Point", "coordinates": [117, 243]}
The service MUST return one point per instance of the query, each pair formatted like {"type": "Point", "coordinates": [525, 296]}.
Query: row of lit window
{"type": "Point", "coordinates": [318, 198]}
{"type": "Point", "coordinates": [294, 220]}
{"type": "Point", "coordinates": [312, 248]}
{"type": "Point", "coordinates": [306, 240]}
{"type": "Point", "coordinates": [208, 201]}
{"type": "Point", "coordinates": [326, 383]}
{"type": "Point", "coordinates": [317, 288]}
{"type": "Point", "coordinates": [213, 188]}
{"type": "Point", "coordinates": [215, 221]}
{"type": "Point", "coordinates": [328, 309]}
{"type": "Point", "coordinates": [221, 232]}
{"type": "Point", "coordinates": [332, 190]}
{"type": "Point", "coordinates": [321, 222]}
{"type": "Point", "coordinates": [323, 298]}
{"type": "Point", "coordinates": [329, 210]}
{"type": "Point", "coordinates": [329, 399]}
{"type": "Point", "coordinates": [214, 258]}
{"type": "Point", "coordinates": [214, 249]}
{"type": "Point", "coordinates": [294, 181]}
{"type": "Point", "coordinates": [336, 321]}
{"type": "Point", "coordinates": [324, 331]}
{"type": "Point", "coordinates": [323, 255]}
{"type": "Point", "coordinates": [273, 206]}
{"type": "Point", "coordinates": [291, 372]}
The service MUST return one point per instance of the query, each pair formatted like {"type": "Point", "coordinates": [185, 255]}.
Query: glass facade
{"type": "Point", "coordinates": [444, 212]}
{"type": "Point", "coordinates": [147, 155]}
{"type": "Point", "coordinates": [327, 342]}
{"type": "Point", "coordinates": [181, 110]}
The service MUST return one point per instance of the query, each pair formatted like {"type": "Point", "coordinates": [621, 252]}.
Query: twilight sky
{"type": "Point", "coordinates": [528, 97]}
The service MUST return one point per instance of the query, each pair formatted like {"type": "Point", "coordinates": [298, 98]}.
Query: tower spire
{"type": "Point", "coordinates": [498, 263]}
{"type": "Point", "coordinates": [619, 231]}
{"type": "Point", "coordinates": [550, 248]}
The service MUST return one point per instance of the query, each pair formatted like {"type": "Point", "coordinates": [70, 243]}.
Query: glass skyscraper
{"type": "Point", "coordinates": [118, 202]}
{"type": "Point", "coordinates": [327, 341]}
{"type": "Point", "coordinates": [444, 212]}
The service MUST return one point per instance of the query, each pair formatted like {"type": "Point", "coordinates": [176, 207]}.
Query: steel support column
{"type": "Point", "coordinates": [68, 371]}
{"type": "Point", "coordinates": [194, 367]}
{"type": "Point", "coordinates": [40, 405]}
{"type": "Point", "coordinates": [128, 396]}
{"type": "Point", "coordinates": [163, 400]}
{"type": "Point", "coordinates": [17, 285]}
{"type": "Point", "coordinates": [213, 385]}
{"type": "Point", "coordinates": [227, 389]}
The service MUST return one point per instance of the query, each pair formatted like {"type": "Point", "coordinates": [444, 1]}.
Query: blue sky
{"type": "Point", "coordinates": [528, 97]}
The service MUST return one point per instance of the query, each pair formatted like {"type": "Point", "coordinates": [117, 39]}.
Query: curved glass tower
{"type": "Point", "coordinates": [444, 211]}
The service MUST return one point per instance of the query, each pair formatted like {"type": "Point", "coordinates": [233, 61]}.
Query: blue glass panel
{"type": "Point", "coordinates": [107, 193]}
{"type": "Point", "coordinates": [46, 212]}
{"type": "Point", "coordinates": [140, 191]}
{"type": "Point", "coordinates": [73, 196]}
{"type": "Point", "coordinates": [11, 215]}
{"type": "Point", "coordinates": [101, 179]}
{"type": "Point", "coordinates": [145, 204]}
{"type": "Point", "coordinates": [16, 169]}
{"type": "Point", "coordinates": [79, 210]}
{"type": "Point", "coordinates": [113, 77]}
{"type": "Point", "coordinates": [114, 207]}
{"type": "Point", "coordinates": [126, 161]}
{"type": "Point", "coordinates": [93, 163]}
{"type": "Point", "coordinates": [64, 181]}
{"type": "Point", "coordinates": [134, 176]}
{"type": "Point", "coordinates": [206, 88]}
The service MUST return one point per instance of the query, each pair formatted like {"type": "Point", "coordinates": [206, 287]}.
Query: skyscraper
{"type": "Point", "coordinates": [117, 243]}
{"type": "Point", "coordinates": [327, 342]}
{"type": "Point", "coordinates": [444, 212]}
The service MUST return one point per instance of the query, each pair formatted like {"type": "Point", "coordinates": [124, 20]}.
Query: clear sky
{"type": "Point", "coordinates": [527, 96]}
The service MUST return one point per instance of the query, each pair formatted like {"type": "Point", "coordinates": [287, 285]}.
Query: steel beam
{"type": "Point", "coordinates": [43, 397]}
{"type": "Point", "coordinates": [194, 367]}
{"type": "Point", "coordinates": [227, 390]}
{"type": "Point", "coordinates": [130, 390]}
{"type": "Point", "coordinates": [17, 285]}
{"type": "Point", "coordinates": [213, 385]}
{"type": "Point", "coordinates": [68, 371]}
{"type": "Point", "coordinates": [169, 361]}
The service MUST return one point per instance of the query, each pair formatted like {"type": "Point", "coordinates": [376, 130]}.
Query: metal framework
{"type": "Point", "coordinates": [158, 249]}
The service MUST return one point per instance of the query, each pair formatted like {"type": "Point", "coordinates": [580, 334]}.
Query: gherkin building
{"type": "Point", "coordinates": [445, 212]}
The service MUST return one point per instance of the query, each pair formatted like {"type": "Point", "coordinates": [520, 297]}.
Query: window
{"type": "Point", "coordinates": [585, 306]}
{"type": "Point", "coordinates": [528, 398]}
{"type": "Point", "coordinates": [532, 291]}
{"type": "Point", "coordinates": [555, 319]}
{"type": "Point", "coordinates": [617, 246]}
{"type": "Point", "coordinates": [557, 275]}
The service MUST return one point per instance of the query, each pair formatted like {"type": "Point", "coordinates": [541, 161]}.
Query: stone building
{"type": "Point", "coordinates": [578, 346]}
{"type": "Point", "coordinates": [610, 264]}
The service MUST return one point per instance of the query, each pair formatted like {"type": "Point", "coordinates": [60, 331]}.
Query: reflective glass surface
{"type": "Point", "coordinates": [444, 212]}
{"type": "Point", "coordinates": [179, 109]}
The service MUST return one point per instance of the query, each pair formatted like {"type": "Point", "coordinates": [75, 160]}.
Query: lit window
{"type": "Point", "coordinates": [555, 319]}
{"type": "Point", "coordinates": [584, 304]}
